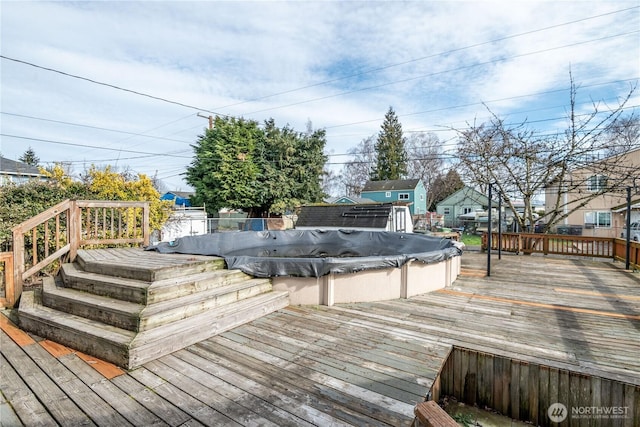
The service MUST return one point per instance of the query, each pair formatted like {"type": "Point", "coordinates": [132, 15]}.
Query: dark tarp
{"type": "Point", "coordinates": [313, 253]}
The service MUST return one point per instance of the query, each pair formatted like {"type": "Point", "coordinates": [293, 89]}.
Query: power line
{"type": "Point", "coordinates": [92, 146]}
{"type": "Point", "coordinates": [510, 98]}
{"type": "Point", "coordinates": [135, 92]}
{"type": "Point", "coordinates": [448, 52]}
{"type": "Point", "coordinates": [92, 127]}
{"type": "Point", "coordinates": [440, 72]}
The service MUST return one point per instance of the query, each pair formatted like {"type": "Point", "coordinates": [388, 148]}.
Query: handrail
{"type": "Point", "coordinates": [64, 228]}
{"type": "Point", "coordinates": [562, 244]}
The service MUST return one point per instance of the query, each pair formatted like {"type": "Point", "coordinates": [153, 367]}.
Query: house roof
{"type": "Point", "coordinates": [468, 193]}
{"type": "Point", "coordinates": [183, 194]}
{"type": "Point", "coordinates": [345, 216]}
{"type": "Point", "coordinates": [391, 185]}
{"type": "Point", "coordinates": [353, 199]}
{"type": "Point", "coordinates": [11, 167]}
{"type": "Point", "coordinates": [635, 204]}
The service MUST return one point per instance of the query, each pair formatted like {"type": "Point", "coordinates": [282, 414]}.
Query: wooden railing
{"type": "Point", "coordinates": [620, 252]}
{"type": "Point", "coordinates": [57, 233]}
{"type": "Point", "coordinates": [562, 244]}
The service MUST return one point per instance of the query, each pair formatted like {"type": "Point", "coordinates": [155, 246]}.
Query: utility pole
{"type": "Point", "coordinates": [207, 117]}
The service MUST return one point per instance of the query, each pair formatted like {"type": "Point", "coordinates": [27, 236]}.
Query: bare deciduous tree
{"type": "Point", "coordinates": [425, 161]}
{"type": "Point", "coordinates": [357, 172]}
{"type": "Point", "coordinates": [522, 163]}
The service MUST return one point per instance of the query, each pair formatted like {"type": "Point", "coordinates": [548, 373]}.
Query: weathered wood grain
{"type": "Point", "coordinates": [540, 330]}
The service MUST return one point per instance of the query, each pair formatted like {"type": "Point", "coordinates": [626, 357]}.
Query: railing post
{"type": "Point", "coordinates": [545, 245]}
{"type": "Point", "coordinates": [146, 233]}
{"type": "Point", "coordinates": [18, 266]}
{"type": "Point", "coordinates": [74, 229]}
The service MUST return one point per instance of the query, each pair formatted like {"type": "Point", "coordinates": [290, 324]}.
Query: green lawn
{"type": "Point", "coordinates": [471, 239]}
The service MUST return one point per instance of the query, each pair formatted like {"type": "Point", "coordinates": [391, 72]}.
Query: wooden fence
{"type": "Point", "coordinates": [562, 244]}
{"type": "Point", "coordinates": [56, 234]}
{"type": "Point", "coordinates": [524, 391]}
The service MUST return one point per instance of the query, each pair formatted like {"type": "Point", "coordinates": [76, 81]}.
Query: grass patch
{"type": "Point", "coordinates": [471, 239]}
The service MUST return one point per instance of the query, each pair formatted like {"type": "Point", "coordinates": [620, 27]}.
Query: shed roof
{"type": "Point", "coordinates": [391, 185]}
{"type": "Point", "coordinates": [345, 216]}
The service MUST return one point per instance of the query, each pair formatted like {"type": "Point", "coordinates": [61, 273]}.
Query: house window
{"type": "Point", "coordinates": [403, 196]}
{"type": "Point", "coordinates": [446, 211]}
{"type": "Point", "coordinates": [598, 219]}
{"type": "Point", "coordinates": [597, 183]}
{"type": "Point", "coordinates": [421, 197]}
{"type": "Point", "coordinates": [466, 210]}
{"type": "Point", "coordinates": [387, 194]}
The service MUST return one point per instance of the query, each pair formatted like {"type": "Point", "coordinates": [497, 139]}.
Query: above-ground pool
{"type": "Point", "coordinates": [326, 267]}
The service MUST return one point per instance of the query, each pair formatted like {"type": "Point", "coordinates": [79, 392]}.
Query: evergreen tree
{"type": "Point", "coordinates": [272, 170]}
{"type": "Point", "coordinates": [390, 148]}
{"type": "Point", "coordinates": [29, 157]}
{"type": "Point", "coordinates": [224, 172]}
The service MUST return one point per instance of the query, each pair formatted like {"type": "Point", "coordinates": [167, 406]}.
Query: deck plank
{"type": "Point", "coordinates": [120, 401]}
{"type": "Point", "coordinates": [350, 364]}
{"type": "Point", "coordinates": [153, 399]}
{"type": "Point", "coordinates": [330, 406]}
{"type": "Point", "coordinates": [26, 405]}
{"type": "Point", "coordinates": [45, 389]}
{"type": "Point", "coordinates": [237, 404]}
{"type": "Point", "coordinates": [86, 399]}
{"type": "Point", "coordinates": [192, 405]}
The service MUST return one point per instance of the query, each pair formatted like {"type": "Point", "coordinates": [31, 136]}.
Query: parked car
{"type": "Point", "coordinates": [634, 233]}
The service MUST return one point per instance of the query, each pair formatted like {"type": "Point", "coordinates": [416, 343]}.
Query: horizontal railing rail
{"type": "Point", "coordinates": [562, 244]}
{"type": "Point", "coordinates": [61, 230]}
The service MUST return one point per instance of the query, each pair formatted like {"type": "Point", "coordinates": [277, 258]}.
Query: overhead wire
{"type": "Point", "coordinates": [435, 55]}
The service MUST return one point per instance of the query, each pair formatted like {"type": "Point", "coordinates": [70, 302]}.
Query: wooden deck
{"type": "Point", "coordinates": [357, 364]}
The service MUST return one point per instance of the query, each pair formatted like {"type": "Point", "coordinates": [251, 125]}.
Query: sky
{"type": "Point", "coordinates": [126, 83]}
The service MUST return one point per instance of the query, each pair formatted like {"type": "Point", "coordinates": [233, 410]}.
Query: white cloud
{"type": "Point", "coordinates": [248, 58]}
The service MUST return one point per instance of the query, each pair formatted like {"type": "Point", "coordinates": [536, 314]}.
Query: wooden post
{"type": "Point", "coordinates": [146, 232]}
{"type": "Point", "coordinates": [18, 267]}
{"type": "Point", "coordinates": [9, 280]}
{"type": "Point", "coordinates": [74, 226]}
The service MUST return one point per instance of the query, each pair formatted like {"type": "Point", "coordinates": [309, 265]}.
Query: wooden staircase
{"type": "Point", "coordinates": [130, 306]}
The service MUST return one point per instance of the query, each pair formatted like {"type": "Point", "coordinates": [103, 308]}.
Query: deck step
{"type": "Point", "coordinates": [130, 349]}
{"type": "Point", "coordinates": [139, 317]}
{"type": "Point", "coordinates": [118, 313]}
{"type": "Point", "coordinates": [95, 338]}
{"type": "Point", "coordinates": [128, 306]}
{"type": "Point", "coordinates": [153, 266]}
{"type": "Point", "coordinates": [144, 292]}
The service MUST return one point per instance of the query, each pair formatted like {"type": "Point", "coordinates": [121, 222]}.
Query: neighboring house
{"type": "Point", "coordinates": [368, 217]}
{"type": "Point", "coordinates": [603, 216]}
{"type": "Point", "coordinates": [348, 200]}
{"type": "Point", "coordinates": [465, 201]}
{"type": "Point", "coordinates": [17, 172]}
{"type": "Point", "coordinates": [408, 191]}
{"type": "Point", "coordinates": [180, 198]}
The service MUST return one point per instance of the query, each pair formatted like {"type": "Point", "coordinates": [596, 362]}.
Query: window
{"type": "Point", "coordinates": [466, 210]}
{"type": "Point", "coordinates": [597, 183]}
{"type": "Point", "coordinates": [446, 211]}
{"type": "Point", "coordinates": [387, 194]}
{"type": "Point", "coordinates": [598, 219]}
{"type": "Point", "coordinates": [403, 196]}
